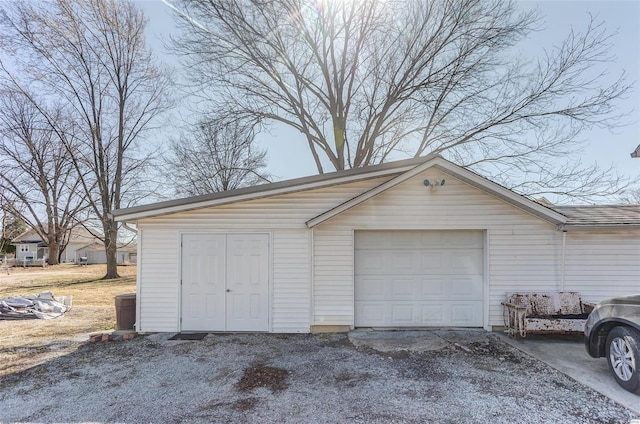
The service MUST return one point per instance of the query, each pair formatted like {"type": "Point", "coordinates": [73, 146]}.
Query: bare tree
{"type": "Point", "coordinates": [11, 226]}
{"type": "Point", "coordinates": [362, 79]}
{"type": "Point", "coordinates": [92, 55]}
{"type": "Point", "coordinates": [631, 196]}
{"type": "Point", "coordinates": [217, 156]}
{"type": "Point", "coordinates": [38, 183]}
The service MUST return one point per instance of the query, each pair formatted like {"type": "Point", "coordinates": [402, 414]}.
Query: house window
{"type": "Point", "coordinates": [24, 247]}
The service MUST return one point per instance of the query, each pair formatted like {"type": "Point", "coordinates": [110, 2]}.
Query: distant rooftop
{"type": "Point", "coordinates": [601, 214]}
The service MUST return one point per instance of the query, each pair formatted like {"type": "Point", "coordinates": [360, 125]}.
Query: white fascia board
{"type": "Point", "coordinates": [598, 227]}
{"type": "Point", "coordinates": [458, 172]}
{"type": "Point", "coordinates": [253, 196]}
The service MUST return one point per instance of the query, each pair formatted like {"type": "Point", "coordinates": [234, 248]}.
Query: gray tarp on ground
{"type": "Point", "coordinates": [31, 306]}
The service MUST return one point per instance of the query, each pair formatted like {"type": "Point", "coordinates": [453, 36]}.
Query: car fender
{"type": "Point", "coordinates": [598, 335]}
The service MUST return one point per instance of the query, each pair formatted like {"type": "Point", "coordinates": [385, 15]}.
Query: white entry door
{"type": "Point", "coordinates": [225, 282]}
{"type": "Point", "coordinates": [419, 278]}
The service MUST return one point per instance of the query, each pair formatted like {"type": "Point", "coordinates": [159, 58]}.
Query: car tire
{"type": "Point", "coordinates": [623, 356]}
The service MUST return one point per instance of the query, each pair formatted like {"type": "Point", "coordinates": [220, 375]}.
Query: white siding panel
{"type": "Point", "coordinates": [291, 281]}
{"type": "Point", "coordinates": [333, 282]}
{"type": "Point", "coordinates": [603, 264]}
{"type": "Point", "coordinates": [159, 281]}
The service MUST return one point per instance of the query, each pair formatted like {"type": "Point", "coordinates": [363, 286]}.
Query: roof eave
{"type": "Point", "coordinates": [183, 205]}
{"type": "Point", "coordinates": [596, 227]}
{"type": "Point", "coordinates": [25, 241]}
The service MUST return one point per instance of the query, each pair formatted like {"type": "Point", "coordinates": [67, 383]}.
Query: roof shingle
{"type": "Point", "coordinates": [601, 214]}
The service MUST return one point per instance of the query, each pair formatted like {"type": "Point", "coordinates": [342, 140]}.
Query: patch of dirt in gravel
{"type": "Point", "coordinates": [244, 405]}
{"type": "Point", "coordinates": [495, 348]}
{"type": "Point", "coordinates": [263, 376]}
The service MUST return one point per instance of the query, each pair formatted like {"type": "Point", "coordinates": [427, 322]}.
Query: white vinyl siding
{"type": "Point", "coordinates": [291, 294]}
{"type": "Point", "coordinates": [69, 254]}
{"type": "Point", "coordinates": [158, 280]}
{"type": "Point", "coordinates": [526, 260]}
{"type": "Point", "coordinates": [602, 264]}
{"type": "Point", "coordinates": [333, 276]}
{"type": "Point", "coordinates": [283, 216]}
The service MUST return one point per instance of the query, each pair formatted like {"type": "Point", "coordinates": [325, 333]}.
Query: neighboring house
{"type": "Point", "coordinates": [96, 254]}
{"type": "Point", "coordinates": [415, 243]}
{"type": "Point", "coordinates": [636, 153]}
{"type": "Point", "coordinates": [29, 245]}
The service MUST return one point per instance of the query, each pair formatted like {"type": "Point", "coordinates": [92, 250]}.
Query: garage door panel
{"type": "Point", "coordinates": [401, 288]}
{"type": "Point", "coordinates": [433, 239]}
{"type": "Point", "coordinates": [433, 289]}
{"type": "Point", "coordinates": [372, 312]}
{"type": "Point", "coordinates": [466, 261]}
{"type": "Point", "coordinates": [401, 314]}
{"type": "Point", "coordinates": [432, 261]}
{"type": "Point", "coordinates": [419, 278]}
{"type": "Point", "coordinates": [465, 288]}
{"type": "Point", "coordinates": [402, 263]}
{"type": "Point", "coordinates": [465, 314]}
{"type": "Point", "coordinates": [370, 288]}
{"type": "Point", "coordinates": [431, 314]}
{"type": "Point", "coordinates": [472, 239]}
{"type": "Point", "coordinates": [417, 314]}
{"type": "Point", "coordinates": [368, 262]}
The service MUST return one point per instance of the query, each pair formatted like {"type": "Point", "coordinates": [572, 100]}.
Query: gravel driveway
{"type": "Point", "coordinates": [299, 379]}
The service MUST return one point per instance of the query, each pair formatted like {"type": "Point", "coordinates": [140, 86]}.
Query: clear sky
{"type": "Point", "coordinates": [289, 157]}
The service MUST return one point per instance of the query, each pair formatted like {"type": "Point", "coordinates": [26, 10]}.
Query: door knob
{"type": "Point", "coordinates": [228, 290]}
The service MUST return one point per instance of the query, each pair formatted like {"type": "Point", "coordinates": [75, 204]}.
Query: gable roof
{"type": "Point", "coordinates": [564, 216]}
{"type": "Point", "coordinates": [458, 172]}
{"type": "Point", "coordinates": [27, 236]}
{"type": "Point", "coordinates": [267, 190]}
{"type": "Point", "coordinates": [78, 234]}
{"type": "Point", "coordinates": [636, 153]}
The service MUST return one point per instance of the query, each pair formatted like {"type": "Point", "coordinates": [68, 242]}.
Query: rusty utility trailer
{"type": "Point", "coordinates": [545, 313]}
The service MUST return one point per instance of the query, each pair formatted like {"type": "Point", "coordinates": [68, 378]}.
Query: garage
{"type": "Point", "coordinates": [225, 282]}
{"type": "Point", "coordinates": [371, 247]}
{"type": "Point", "coordinates": [419, 278]}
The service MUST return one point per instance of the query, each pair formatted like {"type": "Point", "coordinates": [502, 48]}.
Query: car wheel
{"type": "Point", "coordinates": [623, 355]}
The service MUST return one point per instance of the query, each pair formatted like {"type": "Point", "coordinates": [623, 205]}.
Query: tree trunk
{"type": "Point", "coordinates": [53, 249]}
{"type": "Point", "coordinates": [111, 236]}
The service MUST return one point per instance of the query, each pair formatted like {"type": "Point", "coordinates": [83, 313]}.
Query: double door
{"type": "Point", "coordinates": [225, 282]}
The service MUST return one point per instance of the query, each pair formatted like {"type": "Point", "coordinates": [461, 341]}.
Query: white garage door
{"type": "Point", "coordinates": [225, 282]}
{"type": "Point", "coordinates": [419, 278]}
